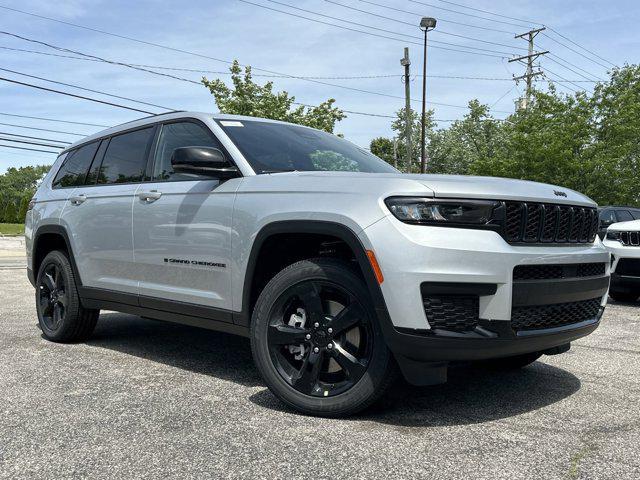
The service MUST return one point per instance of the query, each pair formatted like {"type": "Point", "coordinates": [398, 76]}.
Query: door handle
{"type": "Point", "coordinates": [149, 197]}
{"type": "Point", "coordinates": [78, 199]}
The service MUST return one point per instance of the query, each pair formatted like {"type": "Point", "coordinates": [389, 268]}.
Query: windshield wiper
{"type": "Point", "coordinates": [279, 170]}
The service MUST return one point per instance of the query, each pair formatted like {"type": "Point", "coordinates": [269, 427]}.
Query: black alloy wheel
{"type": "Point", "coordinates": [319, 338]}
{"type": "Point", "coordinates": [317, 341]}
{"type": "Point", "coordinates": [52, 297]}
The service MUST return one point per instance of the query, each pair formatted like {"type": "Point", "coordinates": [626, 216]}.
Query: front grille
{"type": "Point", "coordinates": [527, 222]}
{"type": "Point", "coordinates": [630, 239]}
{"type": "Point", "coordinates": [543, 272]}
{"type": "Point", "coordinates": [537, 317]}
{"type": "Point", "coordinates": [629, 267]}
{"type": "Point", "coordinates": [458, 313]}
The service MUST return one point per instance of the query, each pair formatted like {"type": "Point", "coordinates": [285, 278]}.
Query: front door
{"type": "Point", "coordinates": [182, 230]}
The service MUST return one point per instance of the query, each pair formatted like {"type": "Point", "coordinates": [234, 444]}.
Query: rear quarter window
{"type": "Point", "coordinates": [125, 158]}
{"type": "Point", "coordinates": [74, 168]}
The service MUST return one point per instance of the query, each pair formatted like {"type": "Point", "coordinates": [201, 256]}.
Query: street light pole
{"type": "Point", "coordinates": [426, 24]}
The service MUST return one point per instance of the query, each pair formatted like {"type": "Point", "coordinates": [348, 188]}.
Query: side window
{"type": "Point", "coordinates": [636, 214]}
{"type": "Point", "coordinates": [92, 176]}
{"type": "Point", "coordinates": [125, 158]}
{"type": "Point", "coordinates": [176, 135]}
{"type": "Point", "coordinates": [623, 215]}
{"type": "Point", "coordinates": [74, 169]}
{"type": "Point", "coordinates": [607, 218]}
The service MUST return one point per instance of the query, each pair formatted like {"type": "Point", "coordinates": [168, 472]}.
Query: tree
{"type": "Point", "coordinates": [248, 98]}
{"type": "Point", "coordinates": [398, 126]}
{"type": "Point", "coordinates": [17, 183]}
{"type": "Point", "coordinates": [24, 206]}
{"type": "Point", "coordinates": [9, 213]}
{"type": "Point", "coordinates": [457, 149]}
{"type": "Point", "coordinates": [383, 147]}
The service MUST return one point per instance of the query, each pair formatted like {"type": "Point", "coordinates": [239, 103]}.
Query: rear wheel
{"type": "Point", "coordinates": [316, 340]}
{"type": "Point", "coordinates": [512, 363]}
{"type": "Point", "coordinates": [621, 296]}
{"type": "Point", "coordinates": [60, 314]}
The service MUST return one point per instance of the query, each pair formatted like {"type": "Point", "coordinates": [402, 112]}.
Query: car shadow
{"type": "Point", "coordinates": [471, 395]}
{"type": "Point", "coordinates": [193, 349]}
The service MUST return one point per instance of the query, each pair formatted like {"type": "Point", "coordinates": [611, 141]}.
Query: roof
{"type": "Point", "coordinates": [151, 119]}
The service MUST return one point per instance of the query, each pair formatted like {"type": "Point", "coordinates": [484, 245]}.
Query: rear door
{"type": "Point", "coordinates": [99, 213]}
{"type": "Point", "coordinates": [182, 228]}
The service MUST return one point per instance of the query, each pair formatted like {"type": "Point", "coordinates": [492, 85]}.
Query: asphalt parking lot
{"type": "Point", "coordinates": [155, 400]}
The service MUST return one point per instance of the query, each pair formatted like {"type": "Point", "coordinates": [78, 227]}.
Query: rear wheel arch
{"type": "Point", "coordinates": [251, 288]}
{"type": "Point", "coordinates": [48, 238]}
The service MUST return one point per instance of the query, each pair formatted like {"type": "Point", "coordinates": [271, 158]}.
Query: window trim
{"type": "Point", "coordinates": [71, 154]}
{"type": "Point", "coordinates": [154, 128]}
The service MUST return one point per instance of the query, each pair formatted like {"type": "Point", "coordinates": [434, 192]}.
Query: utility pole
{"type": "Point", "coordinates": [529, 58]}
{"type": "Point", "coordinates": [395, 152]}
{"type": "Point", "coordinates": [405, 62]}
{"type": "Point", "coordinates": [426, 24]}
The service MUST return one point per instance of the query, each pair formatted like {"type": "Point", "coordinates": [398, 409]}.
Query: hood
{"type": "Point", "coordinates": [447, 186]}
{"type": "Point", "coordinates": [630, 226]}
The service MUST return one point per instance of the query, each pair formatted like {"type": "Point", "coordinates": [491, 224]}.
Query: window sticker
{"type": "Point", "coordinates": [231, 123]}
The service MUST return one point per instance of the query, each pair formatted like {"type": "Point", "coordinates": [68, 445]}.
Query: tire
{"type": "Point", "coordinates": [512, 363]}
{"type": "Point", "coordinates": [61, 316]}
{"type": "Point", "coordinates": [352, 367]}
{"type": "Point", "coordinates": [620, 296]}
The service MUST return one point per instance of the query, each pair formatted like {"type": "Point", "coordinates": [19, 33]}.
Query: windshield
{"type": "Point", "coordinates": [277, 147]}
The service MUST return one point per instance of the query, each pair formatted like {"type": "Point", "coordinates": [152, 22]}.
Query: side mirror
{"type": "Point", "coordinates": [207, 161]}
{"type": "Point", "coordinates": [605, 223]}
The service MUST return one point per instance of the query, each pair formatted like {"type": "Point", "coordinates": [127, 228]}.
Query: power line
{"type": "Point", "coordinates": [219, 72]}
{"type": "Point", "coordinates": [123, 64]}
{"type": "Point", "coordinates": [43, 129]}
{"type": "Point", "coordinates": [558, 62]}
{"type": "Point", "coordinates": [530, 22]}
{"type": "Point", "coordinates": [15, 140]}
{"type": "Point", "coordinates": [85, 89]}
{"type": "Point", "coordinates": [53, 120]}
{"type": "Point", "coordinates": [580, 46]}
{"type": "Point", "coordinates": [470, 14]}
{"type": "Point", "coordinates": [34, 138]}
{"type": "Point", "coordinates": [195, 54]}
{"type": "Point", "coordinates": [440, 19]}
{"type": "Point", "coordinates": [73, 95]}
{"type": "Point", "coordinates": [30, 149]}
{"type": "Point", "coordinates": [560, 59]}
{"type": "Point", "coordinates": [376, 28]}
{"type": "Point", "coordinates": [490, 13]}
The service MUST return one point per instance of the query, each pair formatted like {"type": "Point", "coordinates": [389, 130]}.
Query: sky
{"type": "Point", "coordinates": [274, 41]}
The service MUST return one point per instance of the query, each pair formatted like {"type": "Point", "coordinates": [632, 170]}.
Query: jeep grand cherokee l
{"type": "Point", "coordinates": [341, 270]}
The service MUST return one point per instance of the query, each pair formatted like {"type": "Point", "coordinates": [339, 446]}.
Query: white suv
{"type": "Point", "coordinates": [623, 241]}
{"type": "Point", "coordinates": [340, 269]}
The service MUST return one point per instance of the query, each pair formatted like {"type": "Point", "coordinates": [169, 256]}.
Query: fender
{"type": "Point", "coordinates": [318, 227]}
{"type": "Point", "coordinates": [62, 232]}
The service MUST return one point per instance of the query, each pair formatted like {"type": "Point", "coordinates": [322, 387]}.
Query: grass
{"type": "Point", "coordinates": [11, 228]}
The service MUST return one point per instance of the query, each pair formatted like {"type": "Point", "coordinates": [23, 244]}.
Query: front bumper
{"type": "Point", "coordinates": [625, 265]}
{"type": "Point", "coordinates": [412, 256]}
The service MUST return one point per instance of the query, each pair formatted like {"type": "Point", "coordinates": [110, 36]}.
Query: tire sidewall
{"type": "Point", "coordinates": [339, 273]}
{"type": "Point", "coordinates": [59, 259]}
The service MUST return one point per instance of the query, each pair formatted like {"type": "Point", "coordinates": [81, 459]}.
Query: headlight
{"type": "Point", "coordinates": [614, 236]}
{"type": "Point", "coordinates": [442, 212]}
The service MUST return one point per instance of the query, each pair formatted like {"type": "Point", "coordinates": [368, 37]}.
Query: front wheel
{"type": "Point", "coordinates": [316, 340]}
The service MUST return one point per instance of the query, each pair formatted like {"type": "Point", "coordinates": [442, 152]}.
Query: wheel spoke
{"type": "Point", "coordinates": [57, 314]}
{"type": "Point", "coordinates": [347, 318]}
{"type": "Point", "coordinates": [62, 299]}
{"type": "Point", "coordinates": [353, 368]}
{"type": "Point", "coordinates": [45, 304]}
{"type": "Point", "coordinates": [286, 335]}
{"type": "Point", "coordinates": [309, 294]}
{"type": "Point", "coordinates": [49, 282]}
{"type": "Point", "coordinates": [58, 278]}
{"type": "Point", "coordinates": [308, 375]}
